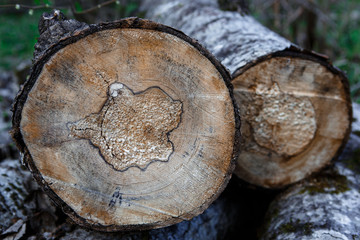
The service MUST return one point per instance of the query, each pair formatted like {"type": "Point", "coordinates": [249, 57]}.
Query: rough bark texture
{"type": "Point", "coordinates": [116, 125]}
{"type": "Point", "coordinates": [52, 28]}
{"type": "Point", "coordinates": [14, 185]}
{"type": "Point", "coordinates": [326, 206]}
{"type": "Point", "coordinates": [24, 208]}
{"type": "Point", "coordinates": [8, 90]}
{"type": "Point", "coordinates": [295, 105]}
{"type": "Point", "coordinates": [234, 39]}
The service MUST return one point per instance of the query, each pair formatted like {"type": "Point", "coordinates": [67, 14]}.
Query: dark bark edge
{"type": "Point", "coordinates": [21, 98]}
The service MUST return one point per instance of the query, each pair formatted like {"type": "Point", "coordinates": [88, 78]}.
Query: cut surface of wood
{"type": "Point", "coordinates": [128, 125]}
{"type": "Point", "coordinates": [295, 118]}
{"type": "Point", "coordinates": [295, 105]}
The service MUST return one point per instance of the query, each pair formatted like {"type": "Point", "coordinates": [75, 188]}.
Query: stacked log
{"type": "Point", "coordinates": [296, 110]}
{"type": "Point", "coordinates": [326, 206]}
{"type": "Point", "coordinates": [128, 125]}
{"type": "Point", "coordinates": [294, 105]}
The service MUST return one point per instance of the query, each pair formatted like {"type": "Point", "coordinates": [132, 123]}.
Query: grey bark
{"type": "Point", "coordinates": [52, 27]}
{"type": "Point", "coordinates": [326, 206]}
{"type": "Point", "coordinates": [8, 90]}
{"type": "Point", "coordinates": [23, 206]}
{"type": "Point", "coordinates": [234, 39]}
{"type": "Point", "coordinates": [13, 185]}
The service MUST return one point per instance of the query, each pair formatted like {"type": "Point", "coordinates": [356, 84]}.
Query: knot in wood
{"type": "Point", "coordinates": [132, 128]}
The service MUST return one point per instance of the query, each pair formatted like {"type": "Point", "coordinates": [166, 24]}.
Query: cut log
{"type": "Point", "coordinates": [24, 205]}
{"type": "Point", "coordinates": [295, 106]}
{"type": "Point", "coordinates": [127, 125]}
{"type": "Point", "coordinates": [326, 206]}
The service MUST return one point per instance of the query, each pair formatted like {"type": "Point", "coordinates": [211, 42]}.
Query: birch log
{"type": "Point", "coordinates": [295, 106]}
{"type": "Point", "coordinates": [117, 126]}
{"type": "Point", "coordinates": [14, 187]}
{"type": "Point", "coordinates": [326, 206]}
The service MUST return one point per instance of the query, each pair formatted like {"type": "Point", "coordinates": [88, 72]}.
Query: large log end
{"type": "Point", "coordinates": [128, 125]}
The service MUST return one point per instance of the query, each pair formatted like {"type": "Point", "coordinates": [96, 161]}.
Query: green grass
{"type": "Point", "coordinates": [19, 31]}
{"type": "Point", "coordinates": [18, 35]}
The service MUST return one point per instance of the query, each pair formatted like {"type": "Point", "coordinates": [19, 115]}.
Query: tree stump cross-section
{"type": "Point", "coordinates": [127, 125]}
{"type": "Point", "coordinates": [296, 117]}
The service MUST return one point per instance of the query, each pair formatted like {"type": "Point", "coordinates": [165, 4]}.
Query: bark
{"type": "Point", "coordinates": [13, 193]}
{"type": "Point", "coordinates": [326, 206]}
{"type": "Point", "coordinates": [294, 105]}
{"type": "Point", "coordinates": [24, 207]}
{"type": "Point", "coordinates": [8, 90]}
{"type": "Point", "coordinates": [53, 27]}
{"type": "Point", "coordinates": [116, 125]}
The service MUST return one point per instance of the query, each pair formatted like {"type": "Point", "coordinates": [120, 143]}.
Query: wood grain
{"type": "Point", "coordinates": [296, 106]}
{"type": "Point", "coordinates": [76, 108]}
{"type": "Point", "coordinates": [295, 117]}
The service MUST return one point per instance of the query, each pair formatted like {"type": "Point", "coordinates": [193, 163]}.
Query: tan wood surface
{"type": "Point", "coordinates": [295, 104]}
{"type": "Point", "coordinates": [295, 116]}
{"type": "Point", "coordinates": [130, 128]}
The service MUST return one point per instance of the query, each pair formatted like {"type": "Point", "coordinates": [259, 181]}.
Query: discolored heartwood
{"type": "Point", "coordinates": [127, 125]}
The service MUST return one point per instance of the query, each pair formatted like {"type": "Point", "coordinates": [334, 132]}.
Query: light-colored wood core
{"type": "Point", "coordinates": [131, 128]}
{"type": "Point", "coordinates": [295, 118]}
{"type": "Point", "coordinates": [275, 117]}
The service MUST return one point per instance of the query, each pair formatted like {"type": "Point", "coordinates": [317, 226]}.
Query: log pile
{"type": "Point", "coordinates": [133, 125]}
{"type": "Point", "coordinates": [325, 206]}
{"type": "Point", "coordinates": [294, 105]}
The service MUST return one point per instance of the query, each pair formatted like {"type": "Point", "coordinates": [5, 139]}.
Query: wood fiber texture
{"type": "Point", "coordinates": [296, 117]}
{"type": "Point", "coordinates": [88, 155]}
{"type": "Point", "coordinates": [295, 105]}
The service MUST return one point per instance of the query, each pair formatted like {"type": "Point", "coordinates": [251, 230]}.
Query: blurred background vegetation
{"type": "Point", "coordinates": [330, 27]}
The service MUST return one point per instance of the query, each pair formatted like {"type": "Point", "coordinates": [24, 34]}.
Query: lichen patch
{"type": "Point", "coordinates": [131, 129]}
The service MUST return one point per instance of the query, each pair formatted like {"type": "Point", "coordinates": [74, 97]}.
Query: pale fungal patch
{"type": "Point", "coordinates": [114, 89]}
{"type": "Point", "coordinates": [131, 129]}
{"type": "Point", "coordinates": [285, 124]}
